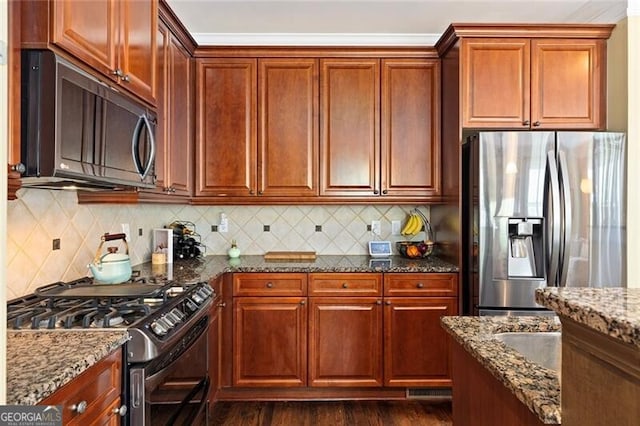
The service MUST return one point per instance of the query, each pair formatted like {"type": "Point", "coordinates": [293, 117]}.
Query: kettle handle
{"type": "Point", "coordinates": [110, 237]}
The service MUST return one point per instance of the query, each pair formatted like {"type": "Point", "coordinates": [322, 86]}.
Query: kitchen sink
{"type": "Point", "coordinates": [543, 348]}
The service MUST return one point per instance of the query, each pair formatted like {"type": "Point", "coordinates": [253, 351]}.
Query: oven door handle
{"type": "Point", "coordinates": [203, 385]}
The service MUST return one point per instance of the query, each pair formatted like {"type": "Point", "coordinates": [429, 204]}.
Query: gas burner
{"type": "Point", "coordinates": [107, 322]}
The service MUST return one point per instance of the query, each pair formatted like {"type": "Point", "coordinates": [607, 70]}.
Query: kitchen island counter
{"type": "Point", "coordinates": [536, 387]}
{"type": "Point", "coordinates": [614, 312]}
{"type": "Point", "coordinates": [40, 362]}
{"type": "Point", "coordinates": [210, 267]}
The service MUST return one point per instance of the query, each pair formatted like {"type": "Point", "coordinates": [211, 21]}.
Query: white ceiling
{"type": "Point", "coordinates": [370, 22]}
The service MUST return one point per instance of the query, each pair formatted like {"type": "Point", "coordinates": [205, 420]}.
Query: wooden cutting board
{"type": "Point", "coordinates": [290, 255]}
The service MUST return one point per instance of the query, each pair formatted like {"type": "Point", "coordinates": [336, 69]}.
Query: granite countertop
{"type": "Point", "coordinates": [39, 362]}
{"type": "Point", "coordinates": [535, 386]}
{"type": "Point", "coordinates": [612, 311]}
{"type": "Point", "coordinates": [211, 266]}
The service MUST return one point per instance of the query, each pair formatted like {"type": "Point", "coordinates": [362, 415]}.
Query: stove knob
{"type": "Point", "coordinates": [191, 306]}
{"type": "Point", "coordinates": [197, 298]}
{"type": "Point", "coordinates": [158, 328]}
{"type": "Point", "coordinates": [203, 294]}
{"type": "Point", "coordinates": [176, 315]}
{"type": "Point", "coordinates": [169, 320]}
{"type": "Point", "coordinates": [206, 288]}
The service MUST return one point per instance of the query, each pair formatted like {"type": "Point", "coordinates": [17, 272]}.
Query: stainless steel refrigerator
{"type": "Point", "coordinates": [540, 209]}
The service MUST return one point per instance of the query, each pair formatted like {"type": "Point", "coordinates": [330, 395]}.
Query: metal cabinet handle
{"type": "Point", "coordinates": [384, 192]}
{"type": "Point", "coordinates": [80, 407]}
{"type": "Point", "coordinates": [420, 285]}
{"type": "Point", "coordinates": [125, 78]}
{"type": "Point", "coordinates": [302, 302]}
{"type": "Point", "coordinates": [19, 167]}
{"type": "Point", "coordinates": [376, 192]}
{"type": "Point", "coordinates": [388, 302]}
{"type": "Point", "coordinates": [222, 305]}
{"type": "Point", "coordinates": [536, 124]}
{"type": "Point", "coordinates": [251, 192]}
{"type": "Point", "coordinates": [378, 302]}
{"type": "Point", "coordinates": [525, 122]}
{"type": "Point", "coordinates": [345, 285]}
{"type": "Point", "coordinates": [121, 411]}
{"type": "Point", "coordinates": [260, 192]}
{"type": "Point", "coordinates": [269, 285]}
{"type": "Point", "coordinates": [117, 72]}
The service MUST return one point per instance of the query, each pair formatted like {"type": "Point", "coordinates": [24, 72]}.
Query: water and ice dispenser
{"type": "Point", "coordinates": [526, 254]}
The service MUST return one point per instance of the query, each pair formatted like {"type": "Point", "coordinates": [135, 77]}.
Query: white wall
{"type": "Point", "coordinates": [633, 150]}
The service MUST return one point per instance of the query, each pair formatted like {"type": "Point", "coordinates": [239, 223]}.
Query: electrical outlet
{"type": "Point", "coordinates": [56, 244]}
{"type": "Point", "coordinates": [224, 223]}
{"type": "Point", "coordinates": [395, 227]}
{"type": "Point", "coordinates": [126, 230]}
{"type": "Point", "coordinates": [376, 227]}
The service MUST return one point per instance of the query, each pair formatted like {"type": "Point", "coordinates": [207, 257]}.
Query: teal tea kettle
{"type": "Point", "coordinates": [111, 267]}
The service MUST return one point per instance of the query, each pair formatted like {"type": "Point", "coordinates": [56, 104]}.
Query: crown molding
{"type": "Point", "coordinates": [314, 39]}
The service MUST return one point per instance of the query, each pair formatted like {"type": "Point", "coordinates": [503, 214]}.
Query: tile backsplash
{"type": "Point", "coordinates": [40, 216]}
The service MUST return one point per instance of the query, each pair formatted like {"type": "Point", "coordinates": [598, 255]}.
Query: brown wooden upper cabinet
{"type": "Point", "coordinates": [174, 136]}
{"type": "Point", "coordinates": [265, 149]}
{"type": "Point", "coordinates": [115, 37]}
{"type": "Point", "coordinates": [536, 83]}
{"type": "Point", "coordinates": [380, 135]}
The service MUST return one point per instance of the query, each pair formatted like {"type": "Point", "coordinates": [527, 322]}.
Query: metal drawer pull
{"type": "Point", "coordinates": [222, 304]}
{"type": "Point", "coordinates": [378, 302]}
{"type": "Point", "coordinates": [302, 302]}
{"type": "Point", "coordinates": [344, 285]}
{"type": "Point", "coordinates": [269, 285]}
{"type": "Point", "coordinates": [388, 302]}
{"type": "Point", "coordinates": [80, 407]}
{"type": "Point", "coordinates": [122, 411]}
{"type": "Point", "coordinates": [420, 285]}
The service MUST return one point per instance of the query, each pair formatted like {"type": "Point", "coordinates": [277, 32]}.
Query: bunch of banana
{"type": "Point", "coordinates": [413, 225]}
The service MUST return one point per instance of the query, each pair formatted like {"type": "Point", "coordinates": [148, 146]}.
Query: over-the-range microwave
{"type": "Point", "coordinates": [79, 132]}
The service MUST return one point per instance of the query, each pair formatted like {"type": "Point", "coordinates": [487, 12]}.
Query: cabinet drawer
{"type": "Point", "coordinates": [268, 284]}
{"type": "Point", "coordinates": [403, 284]}
{"type": "Point", "coordinates": [98, 386]}
{"type": "Point", "coordinates": [338, 284]}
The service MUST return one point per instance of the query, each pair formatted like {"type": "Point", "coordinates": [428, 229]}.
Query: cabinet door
{"type": "Point", "coordinates": [416, 348]}
{"type": "Point", "coordinates": [226, 127]}
{"type": "Point", "coordinates": [270, 341]}
{"type": "Point", "coordinates": [99, 386]}
{"type": "Point", "coordinates": [410, 130]}
{"type": "Point", "coordinates": [162, 128]}
{"type": "Point", "coordinates": [567, 84]}
{"type": "Point", "coordinates": [288, 127]}
{"type": "Point", "coordinates": [345, 341]}
{"type": "Point", "coordinates": [180, 165]}
{"type": "Point", "coordinates": [137, 53]}
{"type": "Point", "coordinates": [88, 30]}
{"type": "Point", "coordinates": [495, 83]}
{"type": "Point", "coordinates": [349, 132]}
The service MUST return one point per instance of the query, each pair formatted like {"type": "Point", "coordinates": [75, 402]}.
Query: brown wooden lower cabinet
{"type": "Point", "coordinates": [479, 399]}
{"type": "Point", "coordinates": [333, 334]}
{"type": "Point", "coordinates": [416, 347]}
{"type": "Point", "coordinates": [98, 387]}
{"type": "Point", "coordinates": [270, 341]}
{"type": "Point", "coordinates": [345, 341]}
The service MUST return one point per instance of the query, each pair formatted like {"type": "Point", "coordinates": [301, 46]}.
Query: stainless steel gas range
{"type": "Point", "coordinates": [166, 379]}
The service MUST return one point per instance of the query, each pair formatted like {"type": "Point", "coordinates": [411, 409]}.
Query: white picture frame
{"type": "Point", "coordinates": [163, 242]}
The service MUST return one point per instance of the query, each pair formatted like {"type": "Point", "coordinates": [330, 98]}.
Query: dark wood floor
{"type": "Point", "coordinates": [333, 413]}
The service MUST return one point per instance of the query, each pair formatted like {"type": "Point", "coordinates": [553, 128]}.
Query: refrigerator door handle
{"type": "Point", "coordinates": [567, 216]}
{"type": "Point", "coordinates": [556, 222]}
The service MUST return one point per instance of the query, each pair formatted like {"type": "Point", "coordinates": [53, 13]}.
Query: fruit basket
{"type": "Point", "coordinates": [416, 222]}
{"type": "Point", "coordinates": [415, 249]}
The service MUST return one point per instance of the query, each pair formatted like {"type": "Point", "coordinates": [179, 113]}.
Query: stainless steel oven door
{"type": "Point", "coordinates": [173, 388]}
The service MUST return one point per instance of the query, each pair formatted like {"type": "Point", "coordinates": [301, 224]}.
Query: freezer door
{"type": "Point", "coordinates": [592, 174]}
{"type": "Point", "coordinates": [511, 188]}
